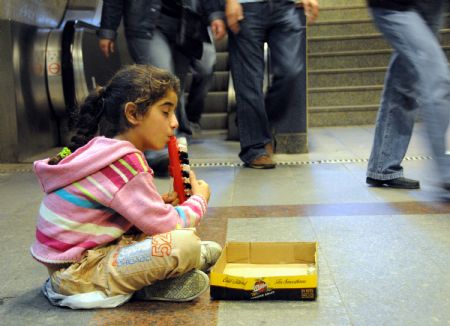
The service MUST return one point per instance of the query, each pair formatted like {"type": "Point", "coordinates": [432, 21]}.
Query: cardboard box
{"type": "Point", "coordinates": [265, 271]}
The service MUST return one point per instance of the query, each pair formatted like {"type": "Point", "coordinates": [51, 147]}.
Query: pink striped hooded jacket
{"type": "Point", "coordinates": [98, 193]}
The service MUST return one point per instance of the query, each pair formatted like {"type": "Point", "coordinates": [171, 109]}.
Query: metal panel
{"type": "Point", "coordinates": [8, 121]}
{"type": "Point", "coordinates": [34, 116]}
{"type": "Point", "coordinates": [53, 59]}
{"type": "Point", "coordinates": [42, 13]}
{"type": "Point", "coordinates": [36, 124]}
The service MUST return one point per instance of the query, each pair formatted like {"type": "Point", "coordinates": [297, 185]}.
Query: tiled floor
{"type": "Point", "coordinates": [382, 252]}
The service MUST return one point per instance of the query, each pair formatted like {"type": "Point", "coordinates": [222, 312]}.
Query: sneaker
{"type": "Point", "coordinates": [183, 288]}
{"type": "Point", "coordinates": [209, 253]}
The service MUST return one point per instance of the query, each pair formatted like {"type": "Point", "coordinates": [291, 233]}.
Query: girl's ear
{"type": "Point", "coordinates": [131, 113]}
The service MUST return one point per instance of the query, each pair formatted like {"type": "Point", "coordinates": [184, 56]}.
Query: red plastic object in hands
{"type": "Point", "coordinates": [179, 169]}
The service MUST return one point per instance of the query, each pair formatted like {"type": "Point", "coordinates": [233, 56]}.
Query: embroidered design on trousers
{"type": "Point", "coordinates": [138, 252]}
{"type": "Point", "coordinates": [162, 245]}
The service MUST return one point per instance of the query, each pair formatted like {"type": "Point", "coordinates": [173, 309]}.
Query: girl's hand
{"type": "Point", "coordinates": [199, 187]}
{"type": "Point", "coordinates": [171, 198]}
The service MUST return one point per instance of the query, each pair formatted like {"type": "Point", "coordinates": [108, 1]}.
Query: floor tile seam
{"type": "Point", "coordinates": [341, 298]}
{"type": "Point", "coordinates": [324, 259]}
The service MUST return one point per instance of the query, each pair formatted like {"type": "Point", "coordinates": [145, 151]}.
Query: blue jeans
{"type": "Point", "coordinates": [277, 23]}
{"type": "Point", "coordinates": [417, 77]}
{"type": "Point", "coordinates": [160, 51]}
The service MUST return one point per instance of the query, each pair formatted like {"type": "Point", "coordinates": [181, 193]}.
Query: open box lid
{"type": "Point", "coordinates": [271, 252]}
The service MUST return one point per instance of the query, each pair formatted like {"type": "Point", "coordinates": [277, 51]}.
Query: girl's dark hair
{"type": "Point", "coordinates": [103, 110]}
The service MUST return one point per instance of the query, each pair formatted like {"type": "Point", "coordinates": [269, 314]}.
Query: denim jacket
{"type": "Point", "coordinates": [140, 17]}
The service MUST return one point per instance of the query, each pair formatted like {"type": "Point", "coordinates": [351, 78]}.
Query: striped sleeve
{"type": "Point", "coordinates": [139, 202]}
{"type": "Point", "coordinates": [123, 170]}
{"type": "Point", "coordinates": [191, 212]}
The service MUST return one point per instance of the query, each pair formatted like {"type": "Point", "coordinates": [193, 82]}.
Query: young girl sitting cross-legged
{"type": "Point", "coordinates": [103, 230]}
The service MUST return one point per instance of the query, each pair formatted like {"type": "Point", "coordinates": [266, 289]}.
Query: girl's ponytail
{"type": "Point", "coordinates": [87, 124]}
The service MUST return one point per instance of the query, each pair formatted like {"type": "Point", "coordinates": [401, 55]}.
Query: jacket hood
{"type": "Point", "coordinates": [92, 157]}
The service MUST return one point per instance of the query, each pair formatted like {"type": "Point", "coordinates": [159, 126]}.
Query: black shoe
{"type": "Point", "coordinates": [399, 183]}
{"type": "Point", "coordinates": [446, 186]}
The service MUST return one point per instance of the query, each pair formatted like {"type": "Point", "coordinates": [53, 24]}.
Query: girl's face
{"type": "Point", "coordinates": [152, 131]}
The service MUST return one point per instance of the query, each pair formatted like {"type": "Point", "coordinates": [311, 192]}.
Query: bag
{"type": "Point", "coordinates": [189, 38]}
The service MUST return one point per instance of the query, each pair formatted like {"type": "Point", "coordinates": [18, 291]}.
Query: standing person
{"type": "Point", "coordinates": [417, 77]}
{"type": "Point", "coordinates": [253, 22]}
{"type": "Point", "coordinates": [103, 230]}
{"type": "Point", "coordinates": [151, 30]}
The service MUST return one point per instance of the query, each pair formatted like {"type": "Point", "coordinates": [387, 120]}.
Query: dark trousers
{"type": "Point", "coordinates": [278, 23]}
{"type": "Point", "coordinates": [202, 79]}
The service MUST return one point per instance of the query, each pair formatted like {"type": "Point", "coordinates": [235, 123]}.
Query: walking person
{"type": "Point", "coordinates": [417, 78]}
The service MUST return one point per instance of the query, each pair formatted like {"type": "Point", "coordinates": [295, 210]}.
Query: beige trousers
{"type": "Point", "coordinates": [130, 264]}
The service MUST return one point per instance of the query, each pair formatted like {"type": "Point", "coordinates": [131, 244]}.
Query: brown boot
{"type": "Point", "coordinates": [262, 162]}
{"type": "Point", "coordinates": [269, 149]}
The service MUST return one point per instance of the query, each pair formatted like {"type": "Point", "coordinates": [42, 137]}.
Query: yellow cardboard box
{"type": "Point", "coordinates": [266, 271]}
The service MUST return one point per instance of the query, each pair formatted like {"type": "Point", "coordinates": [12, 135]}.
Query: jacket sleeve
{"type": "Point", "coordinates": [139, 202]}
{"type": "Point", "coordinates": [112, 12]}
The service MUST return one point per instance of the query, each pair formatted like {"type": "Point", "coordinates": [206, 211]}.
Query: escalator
{"type": "Point", "coordinates": [75, 66]}
{"type": "Point", "coordinates": [50, 62]}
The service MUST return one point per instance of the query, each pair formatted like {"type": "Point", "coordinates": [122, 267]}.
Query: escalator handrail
{"type": "Point", "coordinates": [81, 23]}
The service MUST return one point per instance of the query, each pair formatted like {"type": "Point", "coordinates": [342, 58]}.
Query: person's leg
{"type": "Point", "coordinates": [421, 52]}
{"type": "Point", "coordinates": [433, 13]}
{"type": "Point", "coordinates": [436, 112]}
{"type": "Point", "coordinates": [168, 26]}
{"type": "Point", "coordinates": [285, 40]}
{"type": "Point", "coordinates": [247, 68]}
{"type": "Point", "coordinates": [135, 262]}
{"type": "Point", "coordinates": [158, 52]}
{"type": "Point", "coordinates": [202, 77]}
{"type": "Point", "coordinates": [181, 69]}
{"type": "Point", "coordinates": [155, 51]}
{"type": "Point", "coordinates": [394, 124]}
